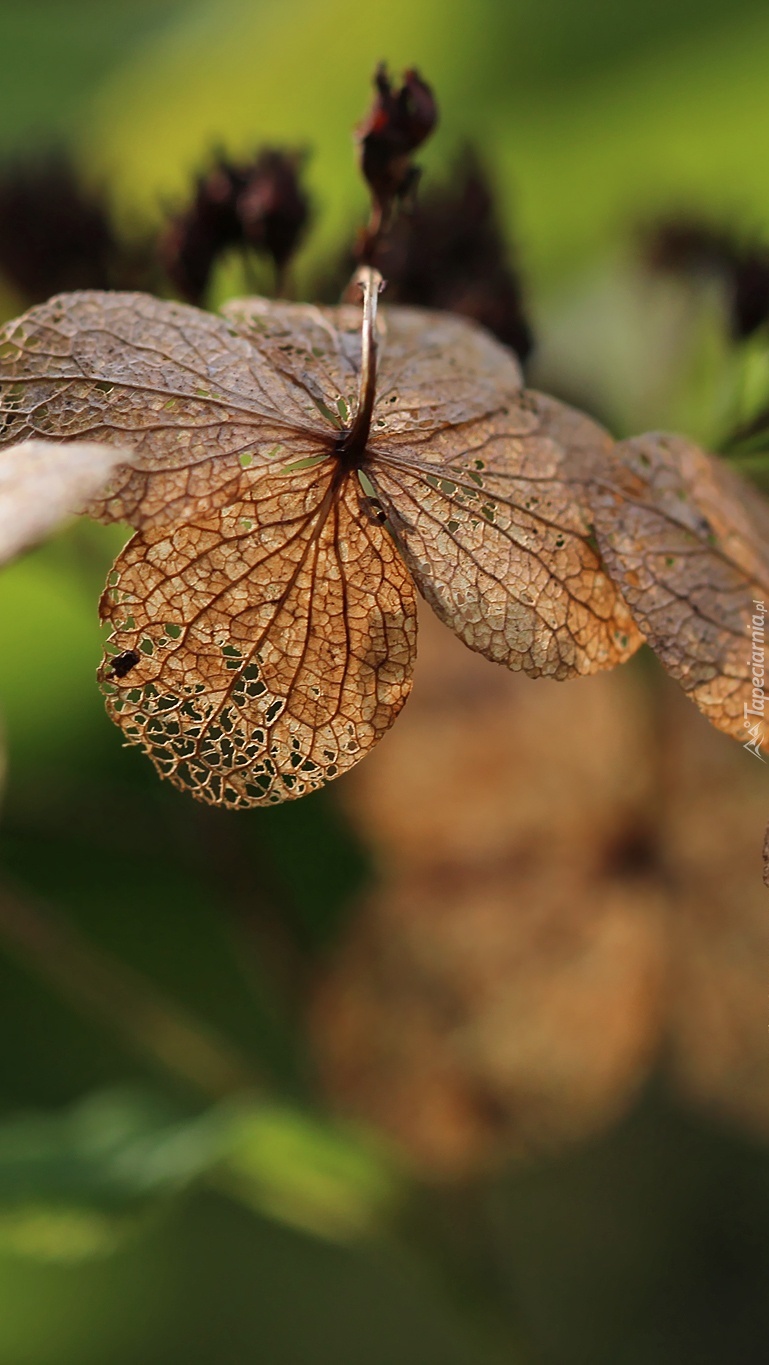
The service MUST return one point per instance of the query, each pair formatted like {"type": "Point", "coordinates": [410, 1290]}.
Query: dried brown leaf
{"type": "Point", "coordinates": [687, 541]}
{"type": "Point", "coordinates": [41, 484]}
{"type": "Point", "coordinates": [257, 437]}
{"type": "Point", "coordinates": [496, 532]}
{"type": "Point", "coordinates": [188, 393]}
{"type": "Point", "coordinates": [486, 767]}
{"type": "Point", "coordinates": [434, 369]}
{"type": "Point", "coordinates": [271, 642]}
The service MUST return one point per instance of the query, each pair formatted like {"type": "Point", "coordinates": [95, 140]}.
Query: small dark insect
{"type": "Point", "coordinates": [123, 663]}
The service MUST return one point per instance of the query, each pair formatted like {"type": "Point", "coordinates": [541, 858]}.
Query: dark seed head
{"type": "Point", "coordinates": [258, 204]}
{"type": "Point", "coordinates": [398, 122]}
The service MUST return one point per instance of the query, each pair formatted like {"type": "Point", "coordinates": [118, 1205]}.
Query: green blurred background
{"type": "Point", "coordinates": [125, 1238]}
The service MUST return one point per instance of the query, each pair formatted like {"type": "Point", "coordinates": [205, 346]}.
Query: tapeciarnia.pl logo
{"type": "Point", "coordinates": [756, 707]}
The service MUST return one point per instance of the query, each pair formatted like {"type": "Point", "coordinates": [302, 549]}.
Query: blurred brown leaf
{"type": "Point", "coordinates": [486, 771]}
{"type": "Point", "coordinates": [500, 991]}
{"type": "Point", "coordinates": [268, 621]}
{"type": "Point", "coordinates": [713, 808]}
{"type": "Point", "coordinates": [568, 892]}
{"type": "Point", "coordinates": [482, 1018]}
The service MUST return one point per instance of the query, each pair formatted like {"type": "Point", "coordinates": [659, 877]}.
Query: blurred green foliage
{"type": "Point", "coordinates": [647, 1248]}
{"type": "Point", "coordinates": [74, 1183]}
{"type": "Point", "coordinates": [55, 55]}
{"type": "Point", "coordinates": [591, 110]}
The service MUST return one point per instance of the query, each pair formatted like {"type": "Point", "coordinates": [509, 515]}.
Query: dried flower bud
{"type": "Point", "coordinates": [272, 207]}
{"type": "Point", "coordinates": [684, 245]}
{"type": "Point", "coordinates": [750, 292]}
{"type": "Point", "coordinates": [450, 253]}
{"type": "Point", "coordinates": [399, 121]}
{"type": "Point", "coordinates": [195, 238]}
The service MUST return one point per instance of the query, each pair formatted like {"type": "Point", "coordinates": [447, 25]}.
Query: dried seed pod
{"type": "Point", "coordinates": [57, 232]}
{"type": "Point", "coordinates": [399, 121]}
{"type": "Point", "coordinates": [272, 207]}
{"type": "Point", "coordinates": [259, 204]}
{"type": "Point", "coordinates": [194, 239]}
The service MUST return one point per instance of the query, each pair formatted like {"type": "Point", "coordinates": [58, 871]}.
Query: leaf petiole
{"type": "Point", "coordinates": [353, 444]}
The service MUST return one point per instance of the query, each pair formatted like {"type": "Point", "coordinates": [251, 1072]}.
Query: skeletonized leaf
{"type": "Point", "coordinates": [189, 395]}
{"type": "Point", "coordinates": [264, 648]}
{"type": "Point", "coordinates": [497, 534]}
{"type": "Point", "coordinates": [42, 483]}
{"type": "Point", "coordinates": [291, 611]}
{"type": "Point", "coordinates": [195, 394]}
{"type": "Point", "coordinates": [434, 368]}
{"type": "Point", "coordinates": [688, 543]}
